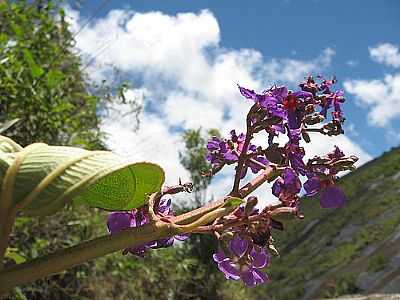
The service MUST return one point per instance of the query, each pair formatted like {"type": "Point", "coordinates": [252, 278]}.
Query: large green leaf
{"type": "Point", "coordinates": [48, 177]}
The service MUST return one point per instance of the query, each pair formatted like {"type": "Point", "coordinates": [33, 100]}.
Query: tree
{"type": "Point", "coordinates": [194, 160]}
{"type": "Point", "coordinates": [41, 83]}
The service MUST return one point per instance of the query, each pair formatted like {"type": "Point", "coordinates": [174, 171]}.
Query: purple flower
{"type": "Point", "coordinates": [270, 101]}
{"type": "Point", "coordinates": [249, 94]}
{"type": "Point", "coordinates": [238, 140]}
{"type": "Point", "coordinates": [336, 153]}
{"type": "Point", "coordinates": [255, 168]}
{"type": "Point", "coordinates": [118, 221]}
{"type": "Point", "coordinates": [244, 263]}
{"type": "Point", "coordinates": [331, 195]}
{"type": "Point", "coordinates": [294, 104]}
{"type": "Point", "coordinates": [294, 152]}
{"type": "Point", "coordinates": [326, 84]}
{"type": "Point", "coordinates": [219, 152]}
{"type": "Point", "coordinates": [274, 131]}
{"type": "Point", "coordinates": [309, 85]}
{"type": "Point", "coordinates": [336, 100]}
{"type": "Point", "coordinates": [287, 186]}
{"type": "Point", "coordinates": [312, 186]}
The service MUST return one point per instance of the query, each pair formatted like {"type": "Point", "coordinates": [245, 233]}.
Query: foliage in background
{"type": "Point", "coordinates": [194, 160]}
{"type": "Point", "coordinates": [40, 79]}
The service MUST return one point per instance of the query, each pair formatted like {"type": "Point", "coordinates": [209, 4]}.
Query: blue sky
{"type": "Point", "coordinates": [184, 59]}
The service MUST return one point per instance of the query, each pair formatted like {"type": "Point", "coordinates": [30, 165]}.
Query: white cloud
{"type": "Point", "coordinates": [387, 54]}
{"type": "Point", "coordinates": [292, 70]}
{"type": "Point", "coordinates": [188, 80]}
{"type": "Point", "coordinates": [382, 97]}
{"type": "Point", "coordinates": [322, 144]}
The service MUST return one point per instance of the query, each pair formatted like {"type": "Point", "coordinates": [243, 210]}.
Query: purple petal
{"type": "Point", "coordinates": [312, 186]}
{"type": "Point", "coordinates": [260, 258]}
{"type": "Point", "coordinates": [252, 148]}
{"type": "Point", "coordinates": [296, 161]}
{"type": "Point", "coordinates": [182, 237]}
{"type": "Point", "coordinates": [249, 94]}
{"type": "Point", "coordinates": [260, 277]}
{"type": "Point", "coordinates": [163, 243]}
{"type": "Point", "coordinates": [267, 101]}
{"type": "Point", "coordinates": [280, 93]}
{"type": "Point", "coordinates": [139, 218]}
{"type": "Point", "coordinates": [277, 187]}
{"type": "Point", "coordinates": [229, 270]}
{"type": "Point", "coordinates": [118, 221]}
{"type": "Point", "coordinates": [230, 157]}
{"type": "Point", "coordinates": [294, 119]}
{"type": "Point", "coordinates": [279, 128]}
{"type": "Point", "coordinates": [332, 197]}
{"type": "Point", "coordinates": [219, 256]}
{"type": "Point", "coordinates": [302, 94]}
{"type": "Point", "coordinates": [164, 207]}
{"type": "Point", "coordinates": [278, 112]}
{"type": "Point", "coordinates": [248, 278]}
{"type": "Point", "coordinates": [213, 144]}
{"type": "Point", "coordinates": [289, 176]}
{"type": "Point", "coordinates": [339, 93]}
{"type": "Point", "coordinates": [255, 168]}
{"type": "Point", "coordinates": [238, 246]}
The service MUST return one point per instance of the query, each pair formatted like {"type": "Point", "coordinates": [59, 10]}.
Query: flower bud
{"type": "Point", "coordinates": [306, 136]}
{"type": "Point", "coordinates": [250, 205]}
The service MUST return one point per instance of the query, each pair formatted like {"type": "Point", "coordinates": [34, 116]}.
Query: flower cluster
{"type": "Point", "coordinates": [243, 260]}
{"type": "Point", "coordinates": [294, 114]}
{"type": "Point", "coordinates": [118, 221]}
{"type": "Point", "coordinates": [281, 111]}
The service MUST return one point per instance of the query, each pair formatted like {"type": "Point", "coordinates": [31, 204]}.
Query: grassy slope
{"type": "Point", "coordinates": [324, 254]}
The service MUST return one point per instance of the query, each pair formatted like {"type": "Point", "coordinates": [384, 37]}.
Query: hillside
{"type": "Point", "coordinates": [352, 250]}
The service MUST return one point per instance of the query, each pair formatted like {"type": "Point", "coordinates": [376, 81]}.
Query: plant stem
{"type": "Point", "coordinates": [266, 175]}
{"type": "Point", "coordinates": [66, 258]}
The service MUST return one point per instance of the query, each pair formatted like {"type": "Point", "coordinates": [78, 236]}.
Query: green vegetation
{"type": "Point", "coordinates": [377, 263]}
{"type": "Point", "coordinates": [40, 79]}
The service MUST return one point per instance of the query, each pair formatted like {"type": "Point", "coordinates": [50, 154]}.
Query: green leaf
{"type": "Point", "coordinates": [19, 32]}
{"type": "Point", "coordinates": [48, 177]}
{"type": "Point", "coordinates": [36, 71]}
{"type": "Point", "coordinates": [54, 78]}
{"type": "Point", "coordinates": [232, 202]}
{"type": "Point", "coordinates": [12, 253]}
{"type": "Point", "coordinates": [7, 145]}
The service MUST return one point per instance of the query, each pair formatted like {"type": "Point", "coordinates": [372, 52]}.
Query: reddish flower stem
{"type": "Point", "coordinates": [243, 153]}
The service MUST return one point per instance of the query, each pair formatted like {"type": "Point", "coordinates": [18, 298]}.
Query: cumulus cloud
{"type": "Point", "coordinates": [187, 80]}
{"type": "Point", "coordinates": [387, 54]}
{"type": "Point", "coordinates": [291, 70]}
{"type": "Point", "coordinates": [382, 97]}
